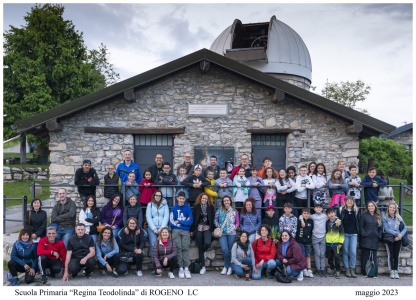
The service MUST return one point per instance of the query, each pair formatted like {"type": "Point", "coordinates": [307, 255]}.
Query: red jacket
{"type": "Point", "coordinates": [46, 248]}
{"type": "Point", "coordinates": [263, 251]}
{"type": "Point", "coordinates": [146, 192]}
{"type": "Point", "coordinates": [294, 255]}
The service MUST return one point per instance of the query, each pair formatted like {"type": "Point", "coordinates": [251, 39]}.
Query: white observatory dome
{"type": "Point", "coordinates": [273, 48]}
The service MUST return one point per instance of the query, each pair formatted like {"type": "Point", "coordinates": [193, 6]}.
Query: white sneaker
{"type": "Point", "coordinates": [224, 271]}
{"type": "Point", "coordinates": [305, 273]}
{"type": "Point", "coordinates": [230, 271]}
{"type": "Point", "coordinates": [203, 271]}
{"type": "Point", "coordinates": [187, 273]}
{"type": "Point", "coordinates": [310, 273]}
{"type": "Point", "coordinates": [396, 274]}
{"type": "Point", "coordinates": [181, 273]}
{"type": "Point", "coordinates": [392, 274]}
{"type": "Point", "coordinates": [171, 276]}
{"type": "Point", "coordinates": [300, 276]}
{"type": "Point", "coordinates": [139, 273]}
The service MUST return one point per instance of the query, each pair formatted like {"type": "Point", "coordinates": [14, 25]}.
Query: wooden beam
{"type": "Point", "coordinates": [278, 95]}
{"type": "Point", "coordinates": [274, 130]}
{"type": "Point", "coordinates": [355, 128]}
{"type": "Point", "coordinates": [53, 125]}
{"type": "Point", "coordinates": [115, 130]}
{"type": "Point", "coordinates": [129, 95]}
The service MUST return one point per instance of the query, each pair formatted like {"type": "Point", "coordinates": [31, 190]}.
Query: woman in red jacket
{"type": "Point", "coordinates": [290, 256]}
{"type": "Point", "coordinates": [264, 253]}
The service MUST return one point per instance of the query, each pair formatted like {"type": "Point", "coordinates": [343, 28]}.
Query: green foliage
{"type": "Point", "coordinates": [347, 93]}
{"type": "Point", "coordinates": [46, 63]}
{"type": "Point", "coordinates": [390, 157]}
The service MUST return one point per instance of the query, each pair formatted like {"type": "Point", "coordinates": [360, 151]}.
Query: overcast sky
{"type": "Point", "coordinates": [371, 42]}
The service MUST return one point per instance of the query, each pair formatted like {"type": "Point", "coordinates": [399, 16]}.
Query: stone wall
{"type": "Point", "coordinates": [405, 138]}
{"type": "Point", "coordinates": [11, 174]}
{"type": "Point", "coordinates": [164, 104]}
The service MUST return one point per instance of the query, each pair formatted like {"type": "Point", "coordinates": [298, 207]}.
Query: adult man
{"type": "Point", "coordinates": [157, 167]}
{"type": "Point", "coordinates": [244, 162]}
{"type": "Point", "coordinates": [86, 179]}
{"type": "Point", "coordinates": [80, 253]}
{"type": "Point", "coordinates": [52, 254]}
{"type": "Point", "coordinates": [64, 214]}
{"type": "Point", "coordinates": [212, 167]}
{"type": "Point", "coordinates": [127, 166]}
{"type": "Point", "coordinates": [187, 164]}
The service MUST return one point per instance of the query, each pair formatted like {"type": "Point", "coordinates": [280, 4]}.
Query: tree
{"type": "Point", "coordinates": [46, 63]}
{"type": "Point", "coordinates": [347, 93]}
{"type": "Point", "coordinates": [390, 158]}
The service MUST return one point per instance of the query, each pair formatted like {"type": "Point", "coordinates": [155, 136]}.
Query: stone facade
{"type": "Point", "coordinates": [12, 174]}
{"type": "Point", "coordinates": [164, 104]}
{"type": "Point", "coordinates": [405, 138]}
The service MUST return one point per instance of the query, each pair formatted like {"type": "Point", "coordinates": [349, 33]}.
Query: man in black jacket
{"type": "Point", "coordinates": [86, 179]}
{"type": "Point", "coordinates": [157, 167]}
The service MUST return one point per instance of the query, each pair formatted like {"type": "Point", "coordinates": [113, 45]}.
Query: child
{"type": "Point", "coordinates": [146, 189]}
{"type": "Point", "coordinates": [304, 238]}
{"type": "Point", "coordinates": [269, 178]}
{"type": "Point", "coordinates": [256, 191]}
{"type": "Point", "coordinates": [223, 186]}
{"type": "Point", "coordinates": [372, 184]}
{"type": "Point", "coordinates": [288, 221]}
{"type": "Point", "coordinates": [181, 179]}
{"type": "Point", "coordinates": [133, 210]}
{"type": "Point", "coordinates": [130, 187]}
{"type": "Point", "coordinates": [337, 189]}
{"type": "Point", "coordinates": [111, 179]}
{"type": "Point", "coordinates": [385, 195]}
{"type": "Point", "coordinates": [241, 189]}
{"type": "Point", "coordinates": [272, 219]}
{"type": "Point", "coordinates": [354, 182]}
{"type": "Point", "coordinates": [210, 189]}
{"type": "Point", "coordinates": [303, 183]}
{"type": "Point", "coordinates": [334, 239]}
{"type": "Point", "coordinates": [341, 166]}
{"type": "Point", "coordinates": [166, 177]}
{"type": "Point", "coordinates": [181, 220]}
{"type": "Point", "coordinates": [320, 181]}
{"type": "Point", "coordinates": [196, 184]}
{"type": "Point", "coordinates": [286, 188]}
{"type": "Point", "coordinates": [267, 163]}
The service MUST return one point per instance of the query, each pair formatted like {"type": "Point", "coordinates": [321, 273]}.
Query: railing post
{"type": "Point", "coordinates": [33, 192]}
{"type": "Point", "coordinates": [4, 214]}
{"type": "Point", "coordinates": [401, 199]}
{"type": "Point", "coordinates": [24, 202]}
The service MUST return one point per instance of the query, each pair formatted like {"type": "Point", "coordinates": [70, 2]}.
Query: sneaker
{"type": "Point", "coordinates": [310, 273]}
{"type": "Point", "coordinates": [323, 273]}
{"type": "Point", "coordinates": [338, 275]}
{"type": "Point", "coordinates": [187, 274]}
{"type": "Point", "coordinates": [181, 273]}
{"type": "Point", "coordinates": [51, 275]}
{"type": "Point", "coordinates": [392, 274]}
{"type": "Point", "coordinates": [269, 275]}
{"type": "Point", "coordinates": [170, 275]}
{"type": "Point", "coordinates": [305, 273]}
{"type": "Point", "coordinates": [348, 272]}
{"type": "Point", "coordinates": [15, 281]}
{"type": "Point", "coordinates": [115, 274]}
{"type": "Point", "coordinates": [375, 277]}
{"type": "Point", "coordinates": [44, 278]}
{"type": "Point", "coordinates": [103, 272]}
{"type": "Point", "coordinates": [238, 276]}
{"type": "Point", "coordinates": [331, 273]}
{"type": "Point", "coordinates": [74, 275]}
{"type": "Point", "coordinates": [353, 275]}
{"type": "Point", "coordinates": [319, 273]}
{"type": "Point", "coordinates": [224, 271]}
{"type": "Point", "coordinates": [396, 274]}
{"type": "Point", "coordinates": [139, 273]}
{"type": "Point", "coordinates": [87, 275]}
{"type": "Point", "coordinates": [230, 271]}
{"type": "Point", "coordinates": [300, 276]}
{"type": "Point", "coordinates": [364, 275]}
{"type": "Point", "coordinates": [153, 272]}
{"type": "Point", "coordinates": [247, 276]}
{"type": "Point", "coordinates": [203, 271]}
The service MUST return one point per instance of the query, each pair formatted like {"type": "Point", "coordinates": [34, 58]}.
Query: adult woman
{"type": "Point", "coordinates": [112, 214]}
{"type": "Point", "coordinates": [370, 229]}
{"type": "Point", "coordinates": [106, 250]}
{"type": "Point", "coordinates": [131, 245]}
{"type": "Point", "coordinates": [349, 216]}
{"type": "Point", "coordinates": [35, 220]}
{"type": "Point", "coordinates": [227, 219]}
{"type": "Point", "coordinates": [385, 195]}
{"type": "Point", "coordinates": [164, 253]}
{"type": "Point", "coordinates": [203, 226]}
{"type": "Point", "coordinates": [89, 215]}
{"type": "Point", "coordinates": [133, 209]}
{"type": "Point", "coordinates": [264, 253]}
{"type": "Point", "coordinates": [242, 257]}
{"type": "Point", "coordinates": [157, 216]}
{"type": "Point", "coordinates": [250, 219]}
{"type": "Point", "coordinates": [23, 258]}
{"type": "Point", "coordinates": [391, 224]}
{"type": "Point", "coordinates": [290, 256]}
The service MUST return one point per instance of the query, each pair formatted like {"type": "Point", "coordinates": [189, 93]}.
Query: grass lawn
{"type": "Point", "coordinates": [11, 144]}
{"type": "Point", "coordinates": [408, 201]}
{"type": "Point", "coordinates": [17, 155]}
{"type": "Point", "coordinates": [18, 189]}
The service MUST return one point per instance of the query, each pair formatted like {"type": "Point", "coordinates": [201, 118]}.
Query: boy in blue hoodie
{"type": "Point", "coordinates": [372, 184]}
{"type": "Point", "coordinates": [180, 221]}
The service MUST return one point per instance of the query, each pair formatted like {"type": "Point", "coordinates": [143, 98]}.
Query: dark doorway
{"type": "Point", "coordinates": [271, 145]}
{"type": "Point", "coordinates": [146, 146]}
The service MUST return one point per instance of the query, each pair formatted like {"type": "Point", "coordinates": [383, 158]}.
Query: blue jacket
{"type": "Point", "coordinates": [254, 225]}
{"type": "Point", "coordinates": [179, 217]}
{"type": "Point", "coordinates": [123, 171]}
{"type": "Point", "coordinates": [157, 217]}
{"type": "Point", "coordinates": [132, 189]}
{"type": "Point", "coordinates": [25, 255]}
{"type": "Point", "coordinates": [391, 225]}
{"type": "Point", "coordinates": [105, 249]}
{"type": "Point", "coordinates": [341, 189]}
{"type": "Point", "coordinates": [371, 193]}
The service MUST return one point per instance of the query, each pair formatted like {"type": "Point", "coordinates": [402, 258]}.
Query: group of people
{"type": "Point", "coordinates": [208, 200]}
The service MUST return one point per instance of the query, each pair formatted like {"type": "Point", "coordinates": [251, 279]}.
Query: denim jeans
{"type": "Point", "coordinates": [349, 248]}
{"type": "Point", "coordinates": [289, 271]}
{"type": "Point", "coordinates": [152, 241]}
{"type": "Point", "coordinates": [268, 265]}
{"type": "Point", "coordinates": [226, 243]}
{"type": "Point", "coordinates": [238, 270]}
{"type": "Point", "coordinates": [64, 234]}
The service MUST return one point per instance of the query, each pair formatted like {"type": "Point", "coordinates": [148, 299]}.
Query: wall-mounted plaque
{"type": "Point", "coordinates": [208, 110]}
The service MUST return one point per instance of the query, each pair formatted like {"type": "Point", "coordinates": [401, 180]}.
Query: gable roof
{"type": "Point", "coordinates": [401, 129]}
{"type": "Point", "coordinates": [37, 123]}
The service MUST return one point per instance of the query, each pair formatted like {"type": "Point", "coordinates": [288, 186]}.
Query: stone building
{"type": "Point", "coordinates": [402, 135]}
{"type": "Point", "coordinates": [205, 100]}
